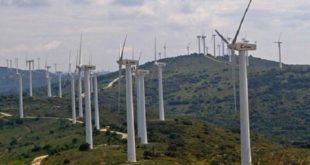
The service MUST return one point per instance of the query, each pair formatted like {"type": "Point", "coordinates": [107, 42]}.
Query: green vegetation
{"type": "Point", "coordinates": [196, 88]}
{"type": "Point", "coordinates": [187, 141]}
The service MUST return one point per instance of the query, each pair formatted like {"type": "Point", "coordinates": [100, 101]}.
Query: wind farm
{"type": "Point", "coordinates": [174, 88]}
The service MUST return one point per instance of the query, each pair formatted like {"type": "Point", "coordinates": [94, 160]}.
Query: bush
{"type": "Point", "coordinates": [84, 147]}
{"type": "Point", "coordinates": [66, 161]}
{"type": "Point", "coordinates": [74, 140]}
{"type": "Point", "coordinates": [19, 121]}
{"type": "Point", "coordinates": [36, 148]}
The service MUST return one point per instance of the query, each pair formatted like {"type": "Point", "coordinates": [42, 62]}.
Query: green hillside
{"type": "Point", "coordinates": [176, 141]}
{"type": "Point", "coordinates": [195, 88]}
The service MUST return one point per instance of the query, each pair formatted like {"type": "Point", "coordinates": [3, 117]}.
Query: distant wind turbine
{"type": "Point", "coordinates": [280, 53]}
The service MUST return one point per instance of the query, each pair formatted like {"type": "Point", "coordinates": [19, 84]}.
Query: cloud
{"type": "Point", "coordinates": [54, 26]}
{"type": "Point", "coordinates": [24, 3]}
{"type": "Point", "coordinates": [129, 2]}
{"type": "Point", "coordinates": [33, 48]}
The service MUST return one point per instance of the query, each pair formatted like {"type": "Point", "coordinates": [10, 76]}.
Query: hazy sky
{"type": "Point", "coordinates": [50, 29]}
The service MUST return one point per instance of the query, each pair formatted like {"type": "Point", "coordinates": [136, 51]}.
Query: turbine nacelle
{"type": "Point", "coordinates": [242, 46]}
{"type": "Point", "coordinates": [88, 67]}
{"type": "Point", "coordinates": [127, 62]}
{"type": "Point", "coordinates": [160, 64]}
{"type": "Point", "coordinates": [142, 72]}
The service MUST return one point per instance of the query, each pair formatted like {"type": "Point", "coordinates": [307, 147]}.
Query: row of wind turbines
{"type": "Point", "coordinates": [219, 48]}
{"type": "Point", "coordinates": [83, 72]}
{"type": "Point", "coordinates": [84, 77]}
{"type": "Point", "coordinates": [132, 70]}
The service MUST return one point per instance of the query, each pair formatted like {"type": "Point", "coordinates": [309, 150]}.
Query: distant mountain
{"type": "Point", "coordinates": [9, 81]}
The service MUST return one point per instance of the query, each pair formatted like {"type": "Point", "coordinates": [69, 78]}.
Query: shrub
{"type": "Point", "coordinates": [36, 148]}
{"type": "Point", "coordinates": [66, 161]}
{"type": "Point", "coordinates": [19, 121]}
{"type": "Point", "coordinates": [84, 147]}
{"type": "Point", "coordinates": [74, 140]}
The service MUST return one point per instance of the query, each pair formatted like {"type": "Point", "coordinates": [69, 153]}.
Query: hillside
{"type": "Point", "coordinates": [9, 81]}
{"type": "Point", "coordinates": [176, 141]}
{"type": "Point", "coordinates": [197, 86]}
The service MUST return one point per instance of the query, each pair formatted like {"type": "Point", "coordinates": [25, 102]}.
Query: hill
{"type": "Point", "coordinates": [176, 141]}
{"type": "Point", "coordinates": [9, 81]}
{"type": "Point", "coordinates": [197, 86]}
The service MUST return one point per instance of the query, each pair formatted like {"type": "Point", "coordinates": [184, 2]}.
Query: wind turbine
{"type": "Point", "coordinates": [95, 86]}
{"type": "Point", "coordinates": [280, 53]}
{"type": "Point", "coordinates": [79, 64]}
{"type": "Point", "coordinates": [165, 50]}
{"type": "Point", "coordinates": [223, 48]}
{"type": "Point", "coordinates": [203, 37]}
{"type": "Point", "coordinates": [214, 42]}
{"type": "Point", "coordinates": [219, 49]}
{"type": "Point", "coordinates": [131, 150]}
{"type": "Point", "coordinates": [21, 105]}
{"type": "Point", "coordinates": [49, 91]}
{"type": "Point", "coordinates": [59, 82]}
{"type": "Point", "coordinates": [30, 64]}
{"type": "Point", "coordinates": [244, 105]}
{"type": "Point", "coordinates": [160, 66]}
{"type": "Point", "coordinates": [88, 122]}
{"type": "Point", "coordinates": [142, 131]}
{"type": "Point", "coordinates": [72, 78]}
{"type": "Point", "coordinates": [187, 47]}
{"type": "Point", "coordinates": [120, 74]}
{"type": "Point", "coordinates": [198, 39]}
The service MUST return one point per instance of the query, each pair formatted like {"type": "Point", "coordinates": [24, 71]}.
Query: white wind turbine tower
{"type": "Point", "coordinates": [30, 64]}
{"type": "Point", "coordinates": [141, 115]}
{"type": "Point", "coordinates": [203, 37]}
{"type": "Point", "coordinates": [20, 80]}
{"type": "Point", "coordinates": [59, 82]}
{"type": "Point", "coordinates": [280, 53]}
{"type": "Point", "coordinates": [79, 64]}
{"type": "Point", "coordinates": [244, 104]}
{"type": "Point", "coordinates": [219, 49]}
{"type": "Point", "coordinates": [187, 47]}
{"type": "Point", "coordinates": [95, 86]}
{"type": "Point", "coordinates": [214, 43]}
{"type": "Point", "coordinates": [223, 48]}
{"type": "Point", "coordinates": [131, 150]}
{"type": "Point", "coordinates": [88, 122]}
{"type": "Point", "coordinates": [160, 66]}
{"type": "Point", "coordinates": [165, 50]}
{"type": "Point", "coordinates": [72, 78]}
{"type": "Point", "coordinates": [198, 39]}
{"type": "Point", "coordinates": [48, 79]}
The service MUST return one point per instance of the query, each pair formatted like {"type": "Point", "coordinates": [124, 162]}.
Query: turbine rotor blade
{"type": "Point", "coordinates": [80, 52]}
{"type": "Point", "coordinates": [123, 47]}
{"type": "Point", "coordinates": [223, 38]}
{"type": "Point", "coordinates": [239, 28]}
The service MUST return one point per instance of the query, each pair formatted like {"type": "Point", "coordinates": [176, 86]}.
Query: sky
{"type": "Point", "coordinates": [51, 29]}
